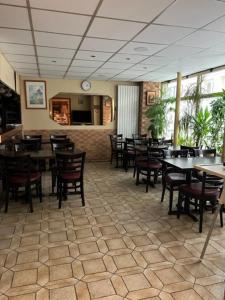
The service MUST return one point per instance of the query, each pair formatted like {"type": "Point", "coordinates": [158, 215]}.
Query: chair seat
{"type": "Point", "coordinates": [175, 178]}
{"type": "Point", "coordinates": [22, 180]}
{"type": "Point", "coordinates": [195, 190]}
{"type": "Point", "coordinates": [70, 176]}
{"type": "Point", "coordinates": [149, 165]}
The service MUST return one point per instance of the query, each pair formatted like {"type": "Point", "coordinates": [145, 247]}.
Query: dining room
{"type": "Point", "coordinates": [112, 150]}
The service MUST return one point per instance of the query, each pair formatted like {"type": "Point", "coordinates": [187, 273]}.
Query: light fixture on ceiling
{"type": "Point", "coordinates": [54, 61]}
{"type": "Point", "coordinates": [145, 68]}
{"type": "Point", "coordinates": [141, 49]}
{"type": "Point", "coordinates": [93, 56]}
{"type": "Point", "coordinates": [127, 58]}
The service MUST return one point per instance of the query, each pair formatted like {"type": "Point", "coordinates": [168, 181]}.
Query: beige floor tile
{"type": "Point", "coordinates": [188, 294]}
{"type": "Point", "coordinates": [84, 233]}
{"type": "Point", "coordinates": [136, 282]}
{"type": "Point", "coordinates": [86, 248]}
{"type": "Point", "coordinates": [115, 244]}
{"type": "Point", "coordinates": [27, 257]}
{"type": "Point", "coordinates": [4, 244]}
{"type": "Point", "coordinates": [30, 240]}
{"type": "Point", "coordinates": [67, 293]}
{"type": "Point", "coordinates": [32, 227]}
{"type": "Point", "coordinates": [198, 270]}
{"type": "Point", "coordinates": [57, 237]}
{"type": "Point", "coordinates": [93, 266]}
{"type": "Point", "coordinates": [179, 252]}
{"type": "Point", "coordinates": [58, 252]}
{"type": "Point", "coordinates": [23, 297]}
{"type": "Point", "coordinates": [60, 272]}
{"type": "Point", "coordinates": [165, 237]}
{"type": "Point", "coordinates": [154, 256]}
{"type": "Point", "coordinates": [168, 276]}
{"type": "Point", "coordinates": [101, 288]}
{"type": "Point", "coordinates": [24, 277]}
{"type": "Point", "coordinates": [141, 240]}
{"type": "Point", "coordinates": [124, 261]}
{"type": "Point", "coordinates": [108, 230]}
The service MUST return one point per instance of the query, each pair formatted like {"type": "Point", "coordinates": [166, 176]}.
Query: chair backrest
{"type": "Point", "coordinates": [20, 165]}
{"type": "Point", "coordinates": [190, 149]}
{"type": "Point", "coordinates": [179, 153]}
{"type": "Point", "coordinates": [32, 144]}
{"type": "Point", "coordinates": [205, 152]}
{"type": "Point", "coordinates": [129, 145]}
{"type": "Point", "coordinates": [58, 136]}
{"type": "Point", "coordinates": [67, 162]}
{"type": "Point", "coordinates": [57, 144]}
{"type": "Point", "coordinates": [156, 153]}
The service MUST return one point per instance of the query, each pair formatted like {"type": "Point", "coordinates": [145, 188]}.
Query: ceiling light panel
{"type": "Point", "coordinates": [20, 58]}
{"type": "Point", "coordinates": [104, 45]}
{"type": "Point", "coordinates": [59, 22]}
{"type": "Point", "coordinates": [78, 6]}
{"type": "Point", "coordinates": [55, 52]}
{"type": "Point", "coordinates": [14, 17]}
{"type": "Point", "coordinates": [14, 2]}
{"type": "Point", "coordinates": [56, 40]}
{"type": "Point", "coordinates": [203, 38]}
{"type": "Point", "coordinates": [15, 36]}
{"type": "Point", "coordinates": [141, 48]}
{"type": "Point", "coordinates": [175, 51]}
{"type": "Point", "coordinates": [114, 29]}
{"type": "Point", "coordinates": [162, 34]}
{"type": "Point", "coordinates": [127, 58]}
{"type": "Point", "coordinates": [93, 55]}
{"type": "Point", "coordinates": [87, 63]}
{"type": "Point", "coordinates": [17, 49]}
{"type": "Point", "coordinates": [137, 10]}
{"type": "Point", "coordinates": [192, 13]}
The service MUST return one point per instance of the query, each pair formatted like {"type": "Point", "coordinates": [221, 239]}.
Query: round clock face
{"type": "Point", "coordinates": [85, 85]}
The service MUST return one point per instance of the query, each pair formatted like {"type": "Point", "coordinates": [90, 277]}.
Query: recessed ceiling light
{"type": "Point", "coordinates": [54, 61]}
{"type": "Point", "coordinates": [127, 58]}
{"type": "Point", "coordinates": [141, 49]}
{"type": "Point", "coordinates": [93, 55]}
{"type": "Point", "coordinates": [145, 68]}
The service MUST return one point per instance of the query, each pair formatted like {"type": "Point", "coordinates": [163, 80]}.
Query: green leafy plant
{"type": "Point", "coordinates": [201, 127]}
{"type": "Point", "coordinates": [157, 113]}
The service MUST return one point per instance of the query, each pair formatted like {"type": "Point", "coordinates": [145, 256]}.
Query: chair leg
{"type": "Point", "coordinates": [201, 215]}
{"type": "Point", "coordinates": [30, 198]}
{"type": "Point", "coordinates": [53, 181]}
{"type": "Point", "coordinates": [134, 173]}
{"type": "Point", "coordinates": [111, 159]}
{"type": "Point", "coordinates": [221, 215]}
{"type": "Point", "coordinates": [82, 193]}
{"type": "Point", "coordinates": [6, 200]}
{"type": "Point", "coordinates": [60, 194]}
{"type": "Point", "coordinates": [171, 200]}
{"type": "Point", "coordinates": [163, 191]}
{"type": "Point", "coordinates": [155, 176]}
{"type": "Point", "coordinates": [147, 180]}
{"type": "Point", "coordinates": [137, 177]}
{"type": "Point", "coordinates": [179, 205]}
{"type": "Point", "coordinates": [40, 190]}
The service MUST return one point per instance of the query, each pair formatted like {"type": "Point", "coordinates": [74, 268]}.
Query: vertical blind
{"type": "Point", "coordinates": [127, 110]}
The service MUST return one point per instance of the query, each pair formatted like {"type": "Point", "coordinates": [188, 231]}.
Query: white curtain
{"type": "Point", "coordinates": [127, 110]}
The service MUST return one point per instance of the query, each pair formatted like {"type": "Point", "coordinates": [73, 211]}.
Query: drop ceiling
{"type": "Point", "coordinates": [132, 40]}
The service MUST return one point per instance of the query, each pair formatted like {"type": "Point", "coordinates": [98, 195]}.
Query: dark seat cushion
{"type": "Point", "coordinates": [175, 178]}
{"type": "Point", "coordinates": [195, 190]}
{"type": "Point", "coordinates": [154, 165]}
{"type": "Point", "coordinates": [70, 176]}
{"type": "Point", "coordinates": [22, 180]}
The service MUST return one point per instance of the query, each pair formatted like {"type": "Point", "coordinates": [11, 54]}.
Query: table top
{"type": "Point", "coordinates": [189, 163]}
{"type": "Point", "coordinates": [41, 154]}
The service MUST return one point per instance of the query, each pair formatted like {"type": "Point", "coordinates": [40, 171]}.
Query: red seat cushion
{"type": "Point", "coordinates": [154, 165]}
{"type": "Point", "coordinates": [195, 190]}
{"type": "Point", "coordinates": [22, 179]}
{"type": "Point", "coordinates": [70, 176]}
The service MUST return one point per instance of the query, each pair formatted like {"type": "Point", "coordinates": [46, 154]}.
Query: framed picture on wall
{"type": "Point", "coordinates": [35, 94]}
{"type": "Point", "coordinates": [150, 100]}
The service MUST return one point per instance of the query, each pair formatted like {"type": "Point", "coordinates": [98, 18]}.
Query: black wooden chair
{"type": "Point", "coordinates": [34, 136]}
{"type": "Point", "coordinates": [172, 178]}
{"type": "Point", "coordinates": [32, 144]}
{"type": "Point", "coordinates": [70, 169]}
{"type": "Point", "coordinates": [58, 136]}
{"type": "Point", "coordinates": [116, 148]}
{"type": "Point", "coordinates": [19, 172]}
{"type": "Point", "coordinates": [129, 154]}
{"type": "Point", "coordinates": [203, 194]}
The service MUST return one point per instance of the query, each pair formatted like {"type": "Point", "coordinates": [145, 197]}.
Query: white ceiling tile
{"type": "Point", "coordinates": [15, 36]}
{"type": "Point", "coordinates": [202, 38]}
{"type": "Point", "coordinates": [100, 77]}
{"type": "Point", "coordinates": [86, 63]}
{"type": "Point", "coordinates": [176, 51]}
{"type": "Point", "coordinates": [107, 72]}
{"type": "Point", "coordinates": [25, 70]}
{"type": "Point", "coordinates": [14, 17]}
{"type": "Point", "coordinates": [16, 49]}
{"type": "Point", "coordinates": [59, 22]}
{"type": "Point", "coordinates": [127, 58]}
{"type": "Point", "coordinates": [29, 74]}
{"type": "Point", "coordinates": [54, 61]}
{"type": "Point", "coordinates": [162, 34]}
{"type": "Point", "coordinates": [218, 25]}
{"type": "Point", "coordinates": [157, 60]}
{"type": "Point", "coordinates": [145, 68]}
{"type": "Point", "coordinates": [52, 67]}
{"type": "Point", "coordinates": [20, 58]}
{"type": "Point", "coordinates": [55, 52]}
{"type": "Point", "coordinates": [141, 48]}
{"type": "Point", "coordinates": [192, 13]}
{"type": "Point", "coordinates": [117, 65]}
{"type": "Point", "coordinates": [23, 65]}
{"type": "Point", "coordinates": [104, 45]}
{"type": "Point", "coordinates": [121, 77]}
{"type": "Point", "coordinates": [77, 6]}
{"type": "Point", "coordinates": [75, 73]}
{"type": "Point", "coordinates": [56, 40]}
{"type": "Point", "coordinates": [139, 10]}
{"type": "Point", "coordinates": [47, 75]}
{"type": "Point", "coordinates": [53, 72]}
{"type": "Point", "coordinates": [93, 55]}
{"type": "Point", "coordinates": [114, 29]}
{"type": "Point", "coordinates": [81, 69]}
{"type": "Point", "coordinates": [133, 73]}
{"type": "Point", "coordinates": [14, 2]}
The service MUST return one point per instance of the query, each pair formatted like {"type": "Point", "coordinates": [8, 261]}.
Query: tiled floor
{"type": "Point", "coordinates": [122, 245]}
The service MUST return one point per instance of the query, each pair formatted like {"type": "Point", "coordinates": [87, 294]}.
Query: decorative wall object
{"type": "Point", "coordinates": [35, 92]}
{"type": "Point", "coordinates": [150, 100]}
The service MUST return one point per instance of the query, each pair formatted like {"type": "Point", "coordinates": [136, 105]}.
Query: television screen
{"type": "Point", "coordinates": [81, 116]}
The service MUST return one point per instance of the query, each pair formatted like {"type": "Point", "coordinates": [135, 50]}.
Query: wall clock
{"type": "Point", "coordinates": [85, 85]}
